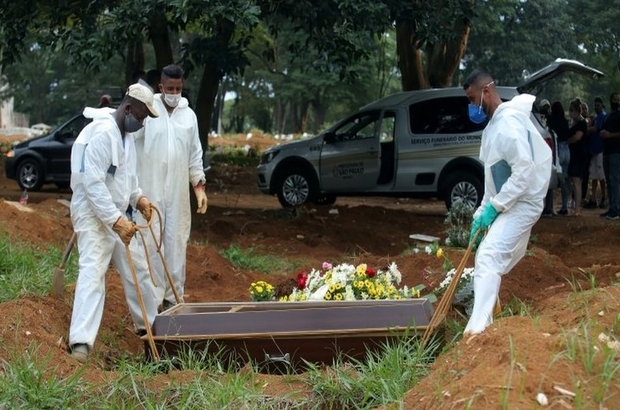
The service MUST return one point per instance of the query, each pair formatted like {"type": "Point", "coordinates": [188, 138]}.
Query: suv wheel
{"type": "Point", "coordinates": [30, 174]}
{"type": "Point", "coordinates": [464, 187]}
{"type": "Point", "coordinates": [295, 188]}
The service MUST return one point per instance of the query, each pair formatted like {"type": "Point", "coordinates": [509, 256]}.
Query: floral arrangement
{"type": "Point", "coordinates": [349, 282]}
{"type": "Point", "coordinates": [261, 291]}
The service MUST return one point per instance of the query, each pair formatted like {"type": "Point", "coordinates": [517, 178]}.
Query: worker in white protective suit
{"type": "Point", "coordinates": [517, 169]}
{"type": "Point", "coordinates": [169, 160]}
{"type": "Point", "coordinates": [104, 184]}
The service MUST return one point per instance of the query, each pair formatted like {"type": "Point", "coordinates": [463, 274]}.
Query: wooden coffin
{"type": "Point", "coordinates": [285, 335]}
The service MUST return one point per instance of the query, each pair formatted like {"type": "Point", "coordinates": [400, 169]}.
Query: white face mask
{"type": "Point", "coordinates": [172, 100]}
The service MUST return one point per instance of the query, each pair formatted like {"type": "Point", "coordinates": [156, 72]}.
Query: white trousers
{"type": "Point", "coordinates": [500, 250]}
{"type": "Point", "coordinates": [96, 248]}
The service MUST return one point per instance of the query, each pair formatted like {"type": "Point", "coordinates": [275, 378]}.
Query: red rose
{"type": "Point", "coordinates": [302, 280]}
{"type": "Point", "coordinates": [370, 272]}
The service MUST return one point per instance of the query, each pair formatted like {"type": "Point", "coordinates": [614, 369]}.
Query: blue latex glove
{"type": "Point", "coordinates": [475, 225]}
{"type": "Point", "coordinates": [488, 216]}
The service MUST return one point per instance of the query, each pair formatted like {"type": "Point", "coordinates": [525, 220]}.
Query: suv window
{"type": "Point", "coordinates": [361, 126]}
{"type": "Point", "coordinates": [72, 129]}
{"type": "Point", "coordinates": [448, 115]}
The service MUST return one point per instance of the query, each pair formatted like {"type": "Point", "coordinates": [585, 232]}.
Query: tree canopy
{"type": "Point", "coordinates": [292, 65]}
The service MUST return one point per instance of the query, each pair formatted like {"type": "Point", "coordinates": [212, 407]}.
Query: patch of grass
{"type": "Point", "coordinates": [383, 377]}
{"type": "Point", "coordinates": [24, 383]}
{"type": "Point", "coordinates": [252, 260]}
{"type": "Point", "coordinates": [25, 270]}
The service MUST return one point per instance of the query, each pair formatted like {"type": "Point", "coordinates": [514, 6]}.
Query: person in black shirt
{"type": "Point", "coordinates": [611, 155]}
{"type": "Point", "coordinates": [579, 149]}
{"type": "Point", "coordinates": [557, 122]}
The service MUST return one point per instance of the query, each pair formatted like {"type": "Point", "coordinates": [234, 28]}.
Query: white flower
{"type": "Point", "coordinates": [428, 249]}
{"type": "Point", "coordinates": [395, 273]}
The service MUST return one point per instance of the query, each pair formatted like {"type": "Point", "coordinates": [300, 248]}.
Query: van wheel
{"type": "Point", "coordinates": [30, 174]}
{"type": "Point", "coordinates": [295, 188]}
{"type": "Point", "coordinates": [324, 199]}
{"type": "Point", "coordinates": [464, 187]}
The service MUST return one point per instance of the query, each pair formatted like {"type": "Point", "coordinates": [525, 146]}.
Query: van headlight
{"type": "Point", "coordinates": [268, 156]}
{"type": "Point", "coordinates": [10, 154]}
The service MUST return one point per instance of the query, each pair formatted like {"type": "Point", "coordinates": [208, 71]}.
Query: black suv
{"type": "Point", "coordinates": [45, 159]}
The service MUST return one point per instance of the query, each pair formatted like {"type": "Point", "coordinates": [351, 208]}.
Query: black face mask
{"type": "Point", "coordinates": [132, 124]}
{"type": "Point", "coordinates": [614, 106]}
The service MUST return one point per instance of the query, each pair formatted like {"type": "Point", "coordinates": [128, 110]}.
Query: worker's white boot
{"type": "Point", "coordinates": [486, 289]}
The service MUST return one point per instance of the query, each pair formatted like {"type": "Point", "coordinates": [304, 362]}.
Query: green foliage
{"type": "Point", "coordinates": [509, 36]}
{"type": "Point", "coordinates": [458, 220]}
{"type": "Point", "coordinates": [50, 91]}
{"type": "Point", "coordinates": [383, 377]}
{"type": "Point", "coordinates": [252, 260]}
{"type": "Point", "coordinates": [236, 157]}
{"type": "Point", "coordinates": [25, 270]}
{"type": "Point", "coordinates": [24, 383]}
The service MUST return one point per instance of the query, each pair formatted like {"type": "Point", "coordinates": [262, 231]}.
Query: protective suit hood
{"type": "Point", "coordinates": [522, 103]}
{"type": "Point", "coordinates": [90, 112]}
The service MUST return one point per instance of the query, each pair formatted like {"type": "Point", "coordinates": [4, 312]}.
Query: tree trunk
{"type": "Point", "coordinates": [278, 113]}
{"type": "Point", "coordinates": [209, 84]}
{"type": "Point", "coordinates": [206, 99]}
{"type": "Point", "coordinates": [295, 117]}
{"type": "Point", "coordinates": [410, 60]}
{"type": "Point", "coordinates": [320, 112]}
{"type": "Point", "coordinates": [303, 116]}
{"type": "Point", "coordinates": [444, 57]}
{"type": "Point", "coordinates": [160, 38]}
{"type": "Point", "coordinates": [134, 61]}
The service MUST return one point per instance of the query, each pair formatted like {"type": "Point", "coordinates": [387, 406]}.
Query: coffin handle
{"type": "Point", "coordinates": [278, 358]}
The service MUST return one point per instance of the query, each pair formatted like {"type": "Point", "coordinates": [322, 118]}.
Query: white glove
{"type": "Point", "coordinates": [201, 198]}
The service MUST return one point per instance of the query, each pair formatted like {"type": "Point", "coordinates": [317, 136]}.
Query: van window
{"type": "Point", "coordinates": [448, 115]}
{"type": "Point", "coordinates": [361, 126]}
{"type": "Point", "coordinates": [387, 127]}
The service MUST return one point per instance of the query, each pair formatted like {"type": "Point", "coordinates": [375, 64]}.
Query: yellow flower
{"type": "Point", "coordinates": [361, 268]}
{"type": "Point", "coordinates": [332, 288]}
{"type": "Point", "coordinates": [338, 296]}
{"type": "Point", "coordinates": [439, 253]}
{"type": "Point", "coordinates": [259, 289]}
{"type": "Point", "coordinates": [338, 285]}
{"type": "Point", "coordinates": [328, 296]}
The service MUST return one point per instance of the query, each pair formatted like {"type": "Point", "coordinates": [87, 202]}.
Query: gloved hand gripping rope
{"type": "Point", "coordinates": [146, 210]}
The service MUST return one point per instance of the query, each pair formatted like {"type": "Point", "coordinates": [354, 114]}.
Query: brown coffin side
{"type": "Point", "coordinates": [327, 318]}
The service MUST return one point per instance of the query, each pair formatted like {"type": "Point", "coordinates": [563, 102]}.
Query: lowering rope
{"type": "Point", "coordinates": [149, 333]}
{"type": "Point", "coordinates": [443, 307]}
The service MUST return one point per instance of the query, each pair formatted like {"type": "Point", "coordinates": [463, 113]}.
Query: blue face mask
{"type": "Point", "coordinates": [476, 113]}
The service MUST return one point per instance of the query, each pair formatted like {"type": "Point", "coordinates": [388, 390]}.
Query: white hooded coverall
{"type": "Point", "coordinates": [169, 159]}
{"type": "Point", "coordinates": [104, 183]}
{"type": "Point", "coordinates": [517, 168]}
